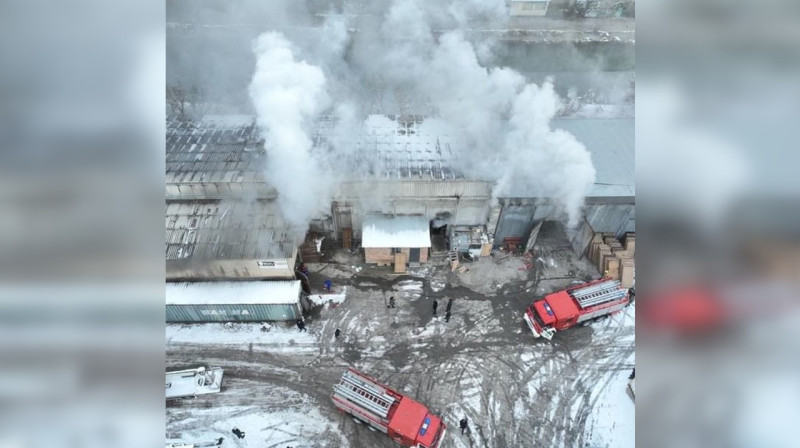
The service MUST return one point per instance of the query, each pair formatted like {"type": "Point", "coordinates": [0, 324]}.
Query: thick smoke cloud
{"type": "Point", "coordinates": [288, 95]}
{"type": "Point", "coordinates": [422, 55]}
{"type": "Point", "coordinates": [551, 163]}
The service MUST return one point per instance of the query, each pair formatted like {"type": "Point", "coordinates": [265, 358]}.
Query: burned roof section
{"type": "Point", "coordinates": [384, 146]}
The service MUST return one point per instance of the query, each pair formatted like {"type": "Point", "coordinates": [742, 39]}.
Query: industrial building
{"type": "Point", "coordinates": [207, 240]}
{"type": "Point", "coordinates": [398, 166]}
{"type": "Point", "coordinates": [198, 302]}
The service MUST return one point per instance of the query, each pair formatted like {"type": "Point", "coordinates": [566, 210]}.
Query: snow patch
{"type": "Point", "coordinates": [278, 335]}
{"type": "Point", "coordinates": [304, 426]}
{"type": "Point", "coordinates": [321, 299]}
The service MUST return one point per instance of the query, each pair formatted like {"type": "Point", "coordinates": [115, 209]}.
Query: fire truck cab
{"type": "Point", "coordinates": [580, 304]}
{"type": "Point", "coordinates": [406, 421]}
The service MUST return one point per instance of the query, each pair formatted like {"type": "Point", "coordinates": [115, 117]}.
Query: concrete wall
{"type": "Point", "coordinates": [379, 190]}
{"type": "Point", "coordinates": [191, 190]}
{"type": "Point", "coordinates": [462, 202]}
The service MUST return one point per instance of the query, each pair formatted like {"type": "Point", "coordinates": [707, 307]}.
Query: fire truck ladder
{"type": "Point", "coordinates": [365, 394]}
{"type": "Point", "coordinates": [599, 293]}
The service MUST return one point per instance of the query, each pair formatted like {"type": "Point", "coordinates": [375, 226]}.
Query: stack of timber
{"type": "Point", "coordinates": [614, 258]}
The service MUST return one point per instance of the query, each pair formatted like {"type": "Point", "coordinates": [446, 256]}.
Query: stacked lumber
{"type": "Point", "coordinates": [614, 258]}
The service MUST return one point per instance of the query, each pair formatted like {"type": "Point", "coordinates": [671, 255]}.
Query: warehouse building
{"type": "Point", "coordinates": [399, 167]}
{"type": "Point", "coordinates": [207, 240]}
{"type": "Point", "coordinates": [198, 302]}
{"type": "Point", "coordinates": [397, 240]}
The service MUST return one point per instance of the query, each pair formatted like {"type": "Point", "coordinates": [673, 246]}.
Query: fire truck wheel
{"type": "Point", "coordinates": [357, 420]}
{"type": "Point", "coordinates": [371, 428]}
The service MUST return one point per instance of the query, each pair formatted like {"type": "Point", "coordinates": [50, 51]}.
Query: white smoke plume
{"type": "Point", "coordinates": [288, 95]}
{"type": "Point", "coordinates": [504, 125]}
{"type": "Point", "coordinates": [543, 162]}
{"type": "Point", "coordinates": [423, 51]}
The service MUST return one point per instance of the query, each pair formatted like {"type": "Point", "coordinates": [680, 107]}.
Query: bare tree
{"type": "Point", "coordinates": [187, 103]}
{"type": "Point", "coordinates": [580, 9]}
{"type": "Point", "coordinates": [176, 100]}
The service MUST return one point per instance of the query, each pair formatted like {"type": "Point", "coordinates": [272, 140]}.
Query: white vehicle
{"type": "Point", "coordinates": [190, 383]}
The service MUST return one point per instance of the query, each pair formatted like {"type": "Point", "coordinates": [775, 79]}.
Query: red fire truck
{"type": "Point", "coordinates": [406, 421]}
{"type": "Point", "coordinates": [580, 304]}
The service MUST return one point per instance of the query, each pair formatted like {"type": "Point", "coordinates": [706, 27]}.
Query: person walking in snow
{"type": "Point", "coordinates": [435, 305]}
{"type": "Point", "coordinates": [463, 424]}
{"type": "Point", "coordinates": [447, 316]}
{"type": "Point", "coordinates": [337, 333]}
{"type": "Point", "coordinates": [391, 302]}
{"type": "Point", "coordinates": [301, 325]}
{"type": "Point", "coordinates": [449, 304]}
{"type": "Point", "coordinates": [633, 374]}
{"type": "Point", "coordinates": [239, 433]}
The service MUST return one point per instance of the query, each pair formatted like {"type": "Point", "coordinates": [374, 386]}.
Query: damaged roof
{"type": "Point", "coordinates": [382, 231]}
{"type": "Point", "coordinates": [230, 149]}
{"type": "Point", "coordinates": [226, 230]}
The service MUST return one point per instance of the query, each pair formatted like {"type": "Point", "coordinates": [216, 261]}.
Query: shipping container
{"type": "Point", "coordinates": [235, 301]}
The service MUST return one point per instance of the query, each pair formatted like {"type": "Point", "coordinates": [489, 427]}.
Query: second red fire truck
{"type": "Point", "coordinates": [579, 304]}
{"type": "Point", "coordinates": [406, 421]}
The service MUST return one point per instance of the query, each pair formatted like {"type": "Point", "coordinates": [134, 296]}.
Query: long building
{"type": "Point", "coordinates": [398, 167]}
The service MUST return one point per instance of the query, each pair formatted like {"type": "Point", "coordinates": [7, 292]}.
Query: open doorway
{"type": "Point", "coordinates": [439, 227]}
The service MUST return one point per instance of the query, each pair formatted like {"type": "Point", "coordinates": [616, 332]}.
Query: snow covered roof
{"type": "Point", "coordinates": [395, 231]}
{"type": "Point", "coordinates": [234, 293]}
{"type": "Point", "coordinates": [612, 145]}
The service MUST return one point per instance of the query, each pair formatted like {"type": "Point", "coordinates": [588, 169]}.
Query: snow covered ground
{"type": "Point", "coordinates": [299, 424]}
{"type": "Point", "coordinates": [280, 337]}
{"type": "Point", "coordinates": [483, 364]}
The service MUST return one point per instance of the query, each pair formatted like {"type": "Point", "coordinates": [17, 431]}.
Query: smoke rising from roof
{"type": "Point", "coordinates": [287, 95]}
{"type": "Point", "coordinates": [419, 53]}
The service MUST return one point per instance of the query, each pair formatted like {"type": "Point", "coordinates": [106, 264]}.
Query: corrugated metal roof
{"type": "Point", "coordinates": [230, 149]}
{"type": "Point", "coordinates": [234, 293]}
{"type": "Point", "coordinates": [612, 145]}
{"type": "Point", "coordinates": [390, 146]}
{"type": "Point", "coordinates": [219, 230]}
{"type": "Point", "coordinates": [395, 231]}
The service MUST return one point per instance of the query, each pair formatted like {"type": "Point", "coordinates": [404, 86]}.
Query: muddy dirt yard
{"type": "Point", "coordinates": [484, 364]}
